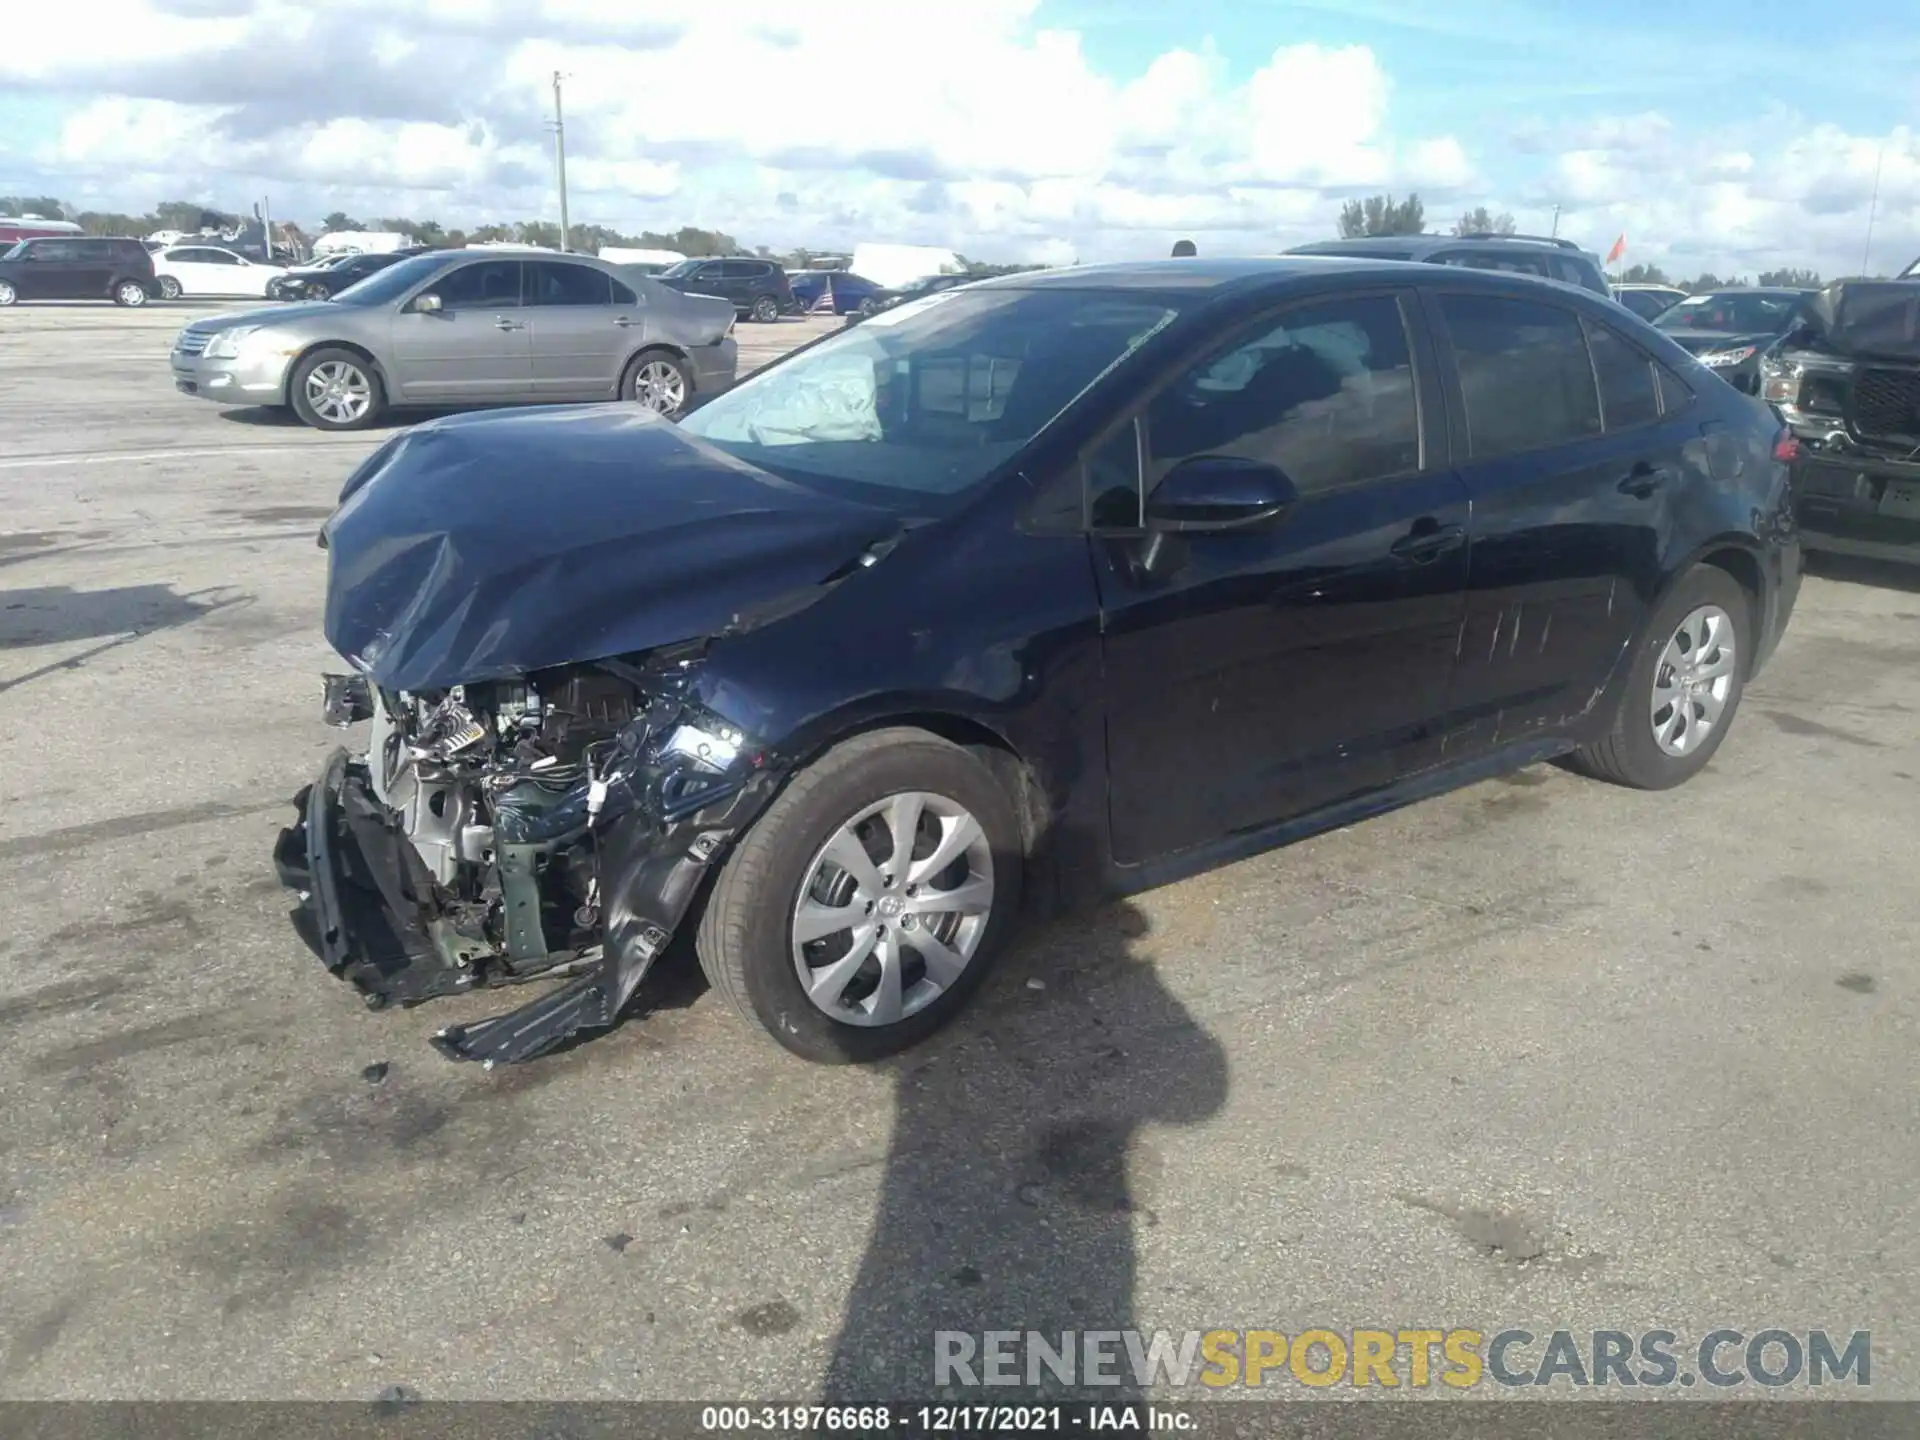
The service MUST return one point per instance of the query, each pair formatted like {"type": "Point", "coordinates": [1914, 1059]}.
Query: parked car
{"type": "Point", "coordinates": [209, 270]}
{"type": "Point", "coordinates": [1732, 331]}
{"type": "Point", "coordinates": [1547, 257]}
{"type": "Point", "coordinates": [1072, 580]}
{"type": "Point", "coordinates": [912, 290]}
{"type": "Point", "coordinates": [461, 327]}
{"type": "Point", "coordinates": [759, 289]}
{"type": "Point", "coordinates": [77, 267]}
{"type": "Point", "coordinates": [321, 280]}
{"type": "Point", "coordinates": [836, 292]}
{"type": "Point", "coordinates": [1647, 301]}
{"type": "Point", "coordinates": [1847, 379]}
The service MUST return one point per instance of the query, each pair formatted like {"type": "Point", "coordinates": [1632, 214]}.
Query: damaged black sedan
{"type": "Point", "coordinates": [1052, 585]}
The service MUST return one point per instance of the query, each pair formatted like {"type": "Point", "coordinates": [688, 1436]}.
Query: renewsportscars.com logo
{"type": "Point", "coordinates": [1459, 1359]}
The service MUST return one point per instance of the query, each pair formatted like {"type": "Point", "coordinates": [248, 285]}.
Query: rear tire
{"type": "Point", "coordinates": [336, 389]}
{"type": "Point", "coordinates": [1704, 626]}
{"type": "Point", "coordinates": [170, 288]}
{"type": "Point", "coordinates": [660, 381]}
{"type": "Point", "coordinates": [130, 294]}
{"type": "Point", "coordinates": [747, 940]}
{"type": "Point", "coordinates": [765, 310]}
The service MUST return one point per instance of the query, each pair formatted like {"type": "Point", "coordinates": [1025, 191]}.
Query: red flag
{"type": "Point", "coordinates": [1619, 249]}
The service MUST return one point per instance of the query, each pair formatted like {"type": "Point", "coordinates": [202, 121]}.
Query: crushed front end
{"type": "Point", "coordinates": [555, 827]}
{"type": "Point", "coordinates": [1847, 382]}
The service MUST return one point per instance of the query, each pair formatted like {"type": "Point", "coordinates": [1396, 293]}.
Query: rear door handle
{"type": "Point", "coordinates": [1428, 542]}
{"type": "Point", "coordinates": [502, 323]}
{"type": "Point", "coordinates": [1642, 481]}
{"type": "Point", "coordinates": [622, 321]}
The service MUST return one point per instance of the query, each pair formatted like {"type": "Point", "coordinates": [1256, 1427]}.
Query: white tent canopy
{"type": "Point", "coordinates": [364, 242]}
{"type": "Point", "coordinates": [622, 255]}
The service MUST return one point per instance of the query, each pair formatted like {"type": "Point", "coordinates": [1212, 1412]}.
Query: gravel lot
{"type": "Point", "coordinates": [1540, 1053]}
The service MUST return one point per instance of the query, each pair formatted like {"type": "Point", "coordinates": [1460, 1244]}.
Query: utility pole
{"type": "Point", "coordinates": [1555, 232]}
{"type": "Point", "coordinates": [1873, 206]}
{"type": "Point", "coordinates": [560, 157]}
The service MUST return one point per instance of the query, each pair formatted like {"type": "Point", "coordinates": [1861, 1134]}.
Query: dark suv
{"type": "Point", "coordinates": [77, 267]}
{"type": "Point", "coordinates": [1550, 258]}
{"type": "Point", "coordinates": [759, 289]}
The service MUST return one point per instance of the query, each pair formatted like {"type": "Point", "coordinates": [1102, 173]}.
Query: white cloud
{"type": "Point", "coordinates": [776, 124]}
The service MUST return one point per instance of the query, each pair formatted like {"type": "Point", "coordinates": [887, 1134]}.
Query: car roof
{"type": "Point", "coordinates": [1757, 290]}
{"type": "Point", "coordinates": [1422, 243]}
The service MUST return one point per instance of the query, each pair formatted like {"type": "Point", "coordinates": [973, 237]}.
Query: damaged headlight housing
{"type": "Point", "coordinates": [710, 749]}
{"type": "Point", "coordinates": [1721, 359]}
{"type": "Point", "coordinates": [1779, 381]}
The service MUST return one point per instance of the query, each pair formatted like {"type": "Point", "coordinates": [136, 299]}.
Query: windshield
{"type": "Point", "coordinates": [685, 267]}
{"type": "Point", "coordinates": [927, 398]}
{"type": "Point", "coordinates": [1733, 312]}
{"type": "Point", "coordinates": [390, 282]}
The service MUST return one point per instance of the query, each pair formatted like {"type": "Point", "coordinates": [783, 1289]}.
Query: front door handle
{"type": "Point", "coordinates": [622, 321]}
{"type": "Point", "coordinates": [1427, 542]}
{"type": "Point", "coordinates": [502, 323]}
{"type": "Point", "coordinates": [1642, 481]}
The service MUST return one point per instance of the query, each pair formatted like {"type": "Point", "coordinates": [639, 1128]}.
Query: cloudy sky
{"type": "Point", "coordinates": [1009, 129]}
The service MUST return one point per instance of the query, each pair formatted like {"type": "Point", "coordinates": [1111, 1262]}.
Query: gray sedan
{"type": "Point", "coordinates": [466, 327]}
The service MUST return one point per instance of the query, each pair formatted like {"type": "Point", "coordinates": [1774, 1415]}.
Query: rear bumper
{"type": "Point", "coordinates": [1841, 502]}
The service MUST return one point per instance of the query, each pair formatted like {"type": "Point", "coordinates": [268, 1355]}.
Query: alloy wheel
{"type": "Point", "coordinates": [169, 288]}
{"type": "Point", "coordinates": [132, 293]}
{"type": "Point", "coordinates": [7, 293]}
{"type": "Point", "coordinates": [338, 392]}
{"type": "Point", "coordinates": [1693, 681]}
{"type": "Point", "coordinates": [766, 311]}
{"type": "Point", "coordinates": [660, 387]}
{"type": "Point", "coordinates": [892, 909]}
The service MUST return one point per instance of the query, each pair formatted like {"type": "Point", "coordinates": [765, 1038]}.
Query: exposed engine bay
{"type": "Point", "coordinates": [496, 833]}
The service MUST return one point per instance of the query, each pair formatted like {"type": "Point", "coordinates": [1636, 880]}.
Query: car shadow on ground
{"type": "Point", "coordinates": [1022, 1166]}
{"type": "Point", "coordinates": [59, 614]}
{"type": "Point", "coordinates": [1852, 570]}
{"type": "Point", "coordinates": [282, 417]}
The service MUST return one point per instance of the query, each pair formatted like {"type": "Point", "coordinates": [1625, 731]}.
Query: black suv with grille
{"type": "Point", "coordinates": [759, 289]}
{"type": "Point", "coordinates": [1549, 257]}
{"type": "Point", "coordinates": [1847, 380]}
{"type": "Point", "coordinates": [77, 267]}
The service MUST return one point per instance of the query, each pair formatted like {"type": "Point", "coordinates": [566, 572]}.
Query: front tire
{"type": "Point", "coordinates": [130, 294]}
{"type": "Point", "coordinates": [765, 310]}
{"type": "Point", "coordinates": [170, 288]}
{"type": "Point", "coordinates": [335, 389]}
{"type": "Point", "coordinates": [8, 295]}
{"type": "Point", "coordinates": [886, 874]}
{"type": "Point", "coordinates": [1682, 689]}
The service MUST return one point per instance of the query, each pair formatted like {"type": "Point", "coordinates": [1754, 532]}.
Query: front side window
{"type": "Point", "coordinates": [490, 285]}
{"type": "Point", "coordinates": [1524, 374]}
{"type": "Point", "coordinates": [54, 252]}
{"type": "Point", "coordinates": [1327, 395]}
{"type": "Point", "coordinates": [552, 282]}
{"type": "Point", "coordinates": [926, 399]}
{"type": "Point", "coordinates": [1512, 262]}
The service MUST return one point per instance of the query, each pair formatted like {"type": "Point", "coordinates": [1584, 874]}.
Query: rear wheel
{"type": "Point", "coordinates": [1682, 689]}
{"type": "Point", "coordinates": [130, 293]}
{"type": "Point", "coordinates": [863, 910]}
{"type": "Point", "coordinates": [765, 310]}
{"type": "Point", "coordinates": [336, 389]}
{"type": "Point", "coordinates": [658, 381]}
{"type": "Point", "coordinates": [318, 292]}
{"type": "Point", "coordinates": [170, 288]}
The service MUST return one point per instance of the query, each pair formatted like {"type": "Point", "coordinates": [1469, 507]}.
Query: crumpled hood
{"type": "Point", "coordinates": [490, 545]}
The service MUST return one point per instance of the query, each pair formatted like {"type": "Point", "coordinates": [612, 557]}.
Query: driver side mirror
{"type": "Point", "coordinates": [1219, 492]}
{"type": "Point", "coordinates": [427, 304]}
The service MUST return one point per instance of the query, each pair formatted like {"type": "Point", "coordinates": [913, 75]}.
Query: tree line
{"type": "Point", "coordinates": [1384, 215]}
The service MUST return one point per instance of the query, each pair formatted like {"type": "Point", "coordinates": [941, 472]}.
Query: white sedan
{"type": "Point", "coordinates": [208, 270]}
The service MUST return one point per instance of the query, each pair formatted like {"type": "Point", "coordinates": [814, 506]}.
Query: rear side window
{"type": "Point", "coordinates": [1525, 378]}
{"type": "Point", "coordinates": [1513, 262]}
{"type": "Point", "coordinates": [1629, 394]}
{"type": "Point", "coordinates": [1574, 273]}
{"type": "Point", "coordinates": [621, 294]}
{"type": "Point", "coordinates": [555, 283]}
{"type": "Point", "coordinates": [1675, 393]}
{"type": "Point", "coordinates": [1327, 394]}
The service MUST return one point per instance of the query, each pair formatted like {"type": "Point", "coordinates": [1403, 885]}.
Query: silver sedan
{"type": "Point", "coordinates": [467, 327]}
